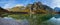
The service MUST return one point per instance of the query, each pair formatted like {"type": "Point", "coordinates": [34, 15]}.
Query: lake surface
{"type": "Point", "coordinates": [53, 21]}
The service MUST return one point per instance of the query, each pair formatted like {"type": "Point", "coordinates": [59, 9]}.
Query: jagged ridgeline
{"type": "Point", "coordinates": [39, 8]}
{"type": "Point", "coordinates": [39, 13]}
{"type": "Point", "coordinates": [35, 8]}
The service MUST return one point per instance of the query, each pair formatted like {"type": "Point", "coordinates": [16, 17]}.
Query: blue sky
{"type": "Point", "coordinates": [12, 3]}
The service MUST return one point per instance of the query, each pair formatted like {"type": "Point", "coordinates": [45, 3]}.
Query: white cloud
{"type": "Point", "coordinates": [11, 4]}
{"type": "Point", "coordinates": [52, 3]}
{"type": "Point", "coordinates": [56, 3]}
{"type": "Point", "coordinates": [8, 4]}
{"type": "Point", "coordinates": [19, 5]}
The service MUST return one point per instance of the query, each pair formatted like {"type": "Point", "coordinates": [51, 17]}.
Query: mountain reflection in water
{"type": "Point", "coordinates": [53, 21]}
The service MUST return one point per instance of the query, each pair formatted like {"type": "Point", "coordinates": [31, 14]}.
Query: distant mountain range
{"type": "Point", "coordinates": [57, 9]}
{"type": "Point", "coordinates": [36, 7]}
